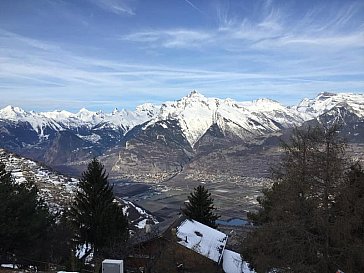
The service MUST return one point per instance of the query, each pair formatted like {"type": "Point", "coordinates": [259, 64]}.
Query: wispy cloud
{"type": "Point", "coordinates": [194, 6]}
{"type": "Point", "coordinates": [271, 29]}
{"type": "Point", "coordinates": [173, 38]}
{"type": "Point", "coordinates": [47, 65]}
{"type": "Point", "coordinates": [338, 41]}
{"type": "Point", "coordinates": [116, 6]}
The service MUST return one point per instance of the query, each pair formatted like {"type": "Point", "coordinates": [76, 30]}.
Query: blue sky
{"type": "Point", "coordinates": [102, 54]}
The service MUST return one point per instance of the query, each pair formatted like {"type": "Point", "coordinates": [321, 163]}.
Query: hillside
{"type": "Point", "coordinates": [58, 190]}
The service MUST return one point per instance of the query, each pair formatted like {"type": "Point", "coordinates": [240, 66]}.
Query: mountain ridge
{"type": "Point", "coordinates": [156, 142]}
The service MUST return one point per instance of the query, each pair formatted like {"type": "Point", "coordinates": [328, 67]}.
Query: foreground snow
{"type": "Point", "coordinates": [232, 263]}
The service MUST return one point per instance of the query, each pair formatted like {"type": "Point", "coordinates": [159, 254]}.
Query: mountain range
{"type": "Point", "coordinates": [192, 135]}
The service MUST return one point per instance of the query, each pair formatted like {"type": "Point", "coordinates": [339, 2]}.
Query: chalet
{"type": "Point", "coordinates": [183, 245]}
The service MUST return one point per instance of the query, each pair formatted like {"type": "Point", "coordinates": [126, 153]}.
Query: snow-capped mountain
{"type": "Point", "coordinates": [325, 102]}
{"type": "Point", "coordinates": [63, 120]}
{"type": "Point", "coordinates": [157, 142]}
{"type": "Point", "coordinates": [196, 114]}
{"type": "Point", "coordinates": [61, 137]}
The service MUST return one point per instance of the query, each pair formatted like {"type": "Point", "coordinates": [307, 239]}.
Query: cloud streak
{"type": "Point", "coordinates": [121, 7]}
{"type": "Point", "coordinates": [264, 54]}
{"type": "Point", "coordinates": [194, 6]}
{"type": "Point", "coordinates": [173, 38]}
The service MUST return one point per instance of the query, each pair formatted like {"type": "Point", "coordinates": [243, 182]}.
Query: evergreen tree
{"type": "Point", "coordinates": [347, 234]}
{"type": "Point", "coordinates": [97, 218]}
{"type": "Point", "coordinates": [296, 216]}
{"type": "Point", "coordinates": [201, 207]}
{"type": "Point", "coordinates": [25, 221]}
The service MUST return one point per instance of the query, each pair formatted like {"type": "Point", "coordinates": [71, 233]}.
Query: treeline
{"type": "Point", "coordinates": [312, 218]}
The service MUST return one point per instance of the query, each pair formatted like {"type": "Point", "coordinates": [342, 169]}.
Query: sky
{"type": "Point", "coordinates": [103, 54]}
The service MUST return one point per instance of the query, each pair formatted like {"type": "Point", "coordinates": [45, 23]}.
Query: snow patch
{"type": "Point", "coordinates": [94, 138]}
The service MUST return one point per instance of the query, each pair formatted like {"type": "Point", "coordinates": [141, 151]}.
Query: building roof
{"type": "Point", "coordinates": [110, 261]}
{"type": "Point", "coordinates": [156, 231]}
{"type": "Point", "coordinates": [232, 263]}
{"type": "Point", "coordinates": [202, 239]}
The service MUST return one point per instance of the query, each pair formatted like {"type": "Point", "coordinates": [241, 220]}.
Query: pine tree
{"type": "Point", "coordinates": [296, 216]}
{"type": "Point", "coordinates": [347, 235]}
{"type": "Point", "coordinates": [98, 220]}
{"type": "Point", "coordinates": [201, 207]}
{"type": "Point", "coordinates": [25, 221]}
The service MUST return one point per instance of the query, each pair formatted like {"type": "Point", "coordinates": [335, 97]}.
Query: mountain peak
{"type": "Point", "coordinates": [146, 107]}
{"type": "Point", "coordinates": [325, 95]}
{"type": "Point", "coordinates": [12, 112]}
{"type": "Point", "coordinates": [195, 94]}
{"type": "Point", "coordinates": [84, 110]}
{"type": "Point", "coordinates": [11, 108]}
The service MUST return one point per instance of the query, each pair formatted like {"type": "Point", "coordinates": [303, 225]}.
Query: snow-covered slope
{"type": "Point", "coordinates": [325, 101]}
{"type": "Point", "coordinates": [54, 188]}
{"type": "Point", "coordinates": [58, 190]}
{"type": "Point", "coordinates": [196, 114]}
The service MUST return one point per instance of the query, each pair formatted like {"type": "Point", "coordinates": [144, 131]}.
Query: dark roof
{"type": "Point", "coordinates": [156, 231]}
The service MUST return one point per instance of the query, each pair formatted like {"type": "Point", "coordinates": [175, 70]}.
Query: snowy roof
{"type": "Point", "coordinates": [232, 263]}
{"type": "Point", "coordinates": [202, 239]}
